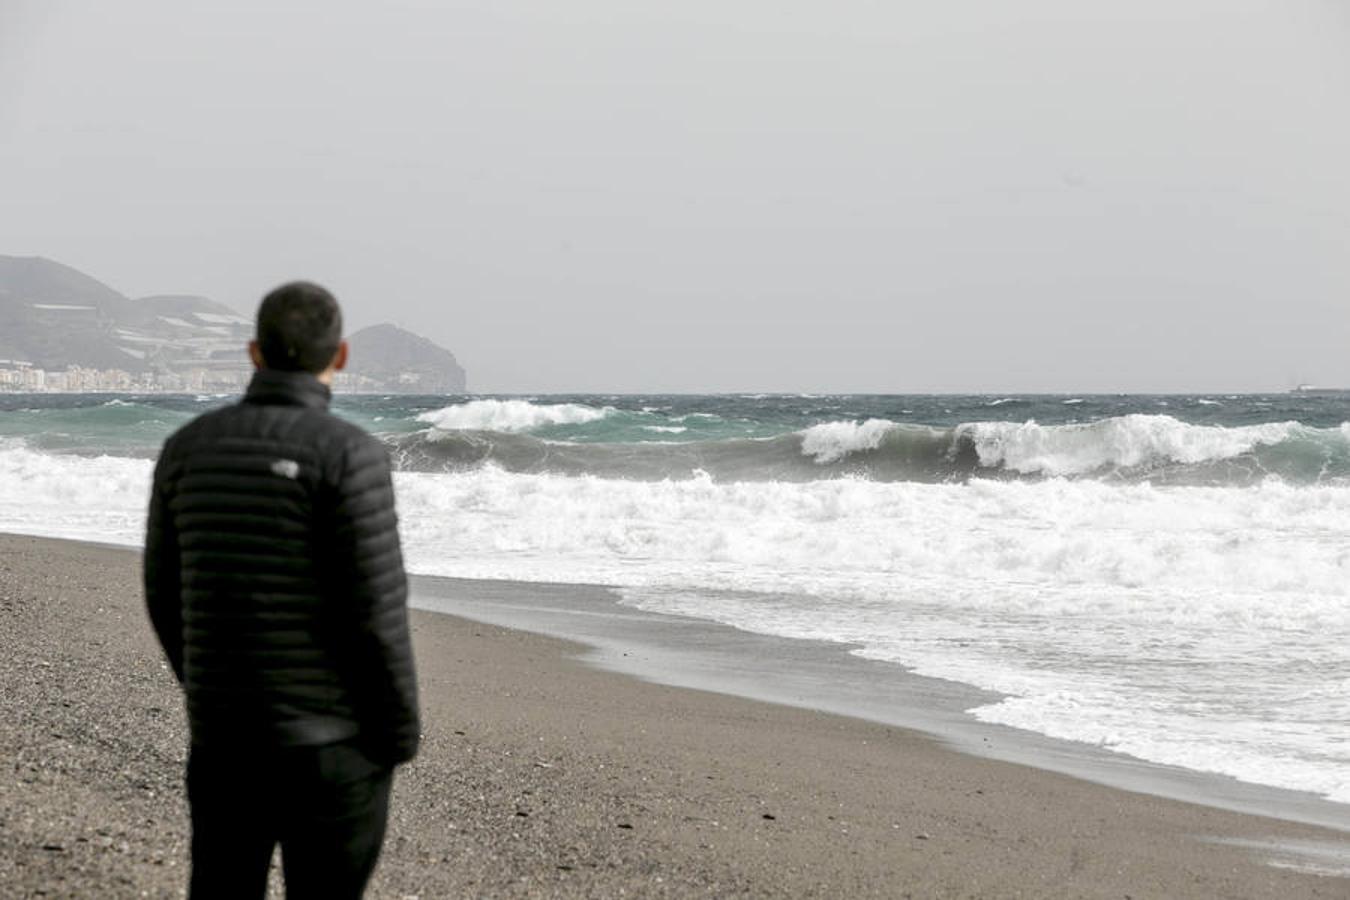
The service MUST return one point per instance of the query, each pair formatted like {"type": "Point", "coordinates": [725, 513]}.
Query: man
{"type": "Point", "coordinates": [274, 580]}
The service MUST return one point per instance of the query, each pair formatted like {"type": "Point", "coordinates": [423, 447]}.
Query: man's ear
{"type": "Point", "coordinates": [255, 354]}
{"type": "Point", "coordinates": [340, 358]}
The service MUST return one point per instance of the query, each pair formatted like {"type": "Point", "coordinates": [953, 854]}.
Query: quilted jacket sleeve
{"type": "Point", "coordinates": [160, 570]}
{"type": "Point", "coordinates": [374, 591]}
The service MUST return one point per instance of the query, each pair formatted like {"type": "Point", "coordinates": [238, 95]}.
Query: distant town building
{"type": "Point", "coordinates": [26, 379]}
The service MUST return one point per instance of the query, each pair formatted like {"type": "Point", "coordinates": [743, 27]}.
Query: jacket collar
{"type": "Point", "coordinates": [275, 387]}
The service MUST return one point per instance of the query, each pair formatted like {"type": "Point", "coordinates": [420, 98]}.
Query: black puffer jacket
{"type": "Point", "coordinates": [274, 576]}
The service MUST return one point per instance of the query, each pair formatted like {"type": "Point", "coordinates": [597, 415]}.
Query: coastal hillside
{"type": "Point", "coordinates": [54, 317]}
{"type": "Point", "coordinates": [61, 329]}
{"type": "Point", "coordinates": [386, 357]}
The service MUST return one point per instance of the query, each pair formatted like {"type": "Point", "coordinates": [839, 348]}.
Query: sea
{"type": "Point", "coordinates": [1166, 577]}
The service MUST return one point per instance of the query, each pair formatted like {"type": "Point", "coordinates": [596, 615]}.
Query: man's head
{"type": "Point", "coordinates": [299, 330]}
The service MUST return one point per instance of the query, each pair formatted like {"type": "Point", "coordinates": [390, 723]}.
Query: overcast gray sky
{"type": "Point", "coordinates": [609, 195]}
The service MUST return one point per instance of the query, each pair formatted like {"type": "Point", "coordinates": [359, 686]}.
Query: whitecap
{"type": "Point", "coordinates": [1120, 442]}
{"type": "Point", "coordinates": [832, 441]}
{"type": "Point", "coordinates": [510, 415]}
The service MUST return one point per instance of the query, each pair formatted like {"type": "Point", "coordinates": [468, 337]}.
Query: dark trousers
{"type": "Point", "coordinates": [327, 807]}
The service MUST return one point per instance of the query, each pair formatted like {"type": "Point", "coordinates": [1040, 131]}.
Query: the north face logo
{"type": "Point", "coordinates": [286, 468]}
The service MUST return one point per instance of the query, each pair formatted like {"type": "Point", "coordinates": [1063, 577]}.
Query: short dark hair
{"type": "Point", "coordinates": [299, 328]}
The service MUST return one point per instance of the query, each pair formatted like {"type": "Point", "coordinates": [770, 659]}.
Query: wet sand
{"type": "Point", "coordinates": [542, 775]}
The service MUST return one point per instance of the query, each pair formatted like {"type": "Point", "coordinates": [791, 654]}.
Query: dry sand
{"type": "Point", "coordinates": [540, 776]}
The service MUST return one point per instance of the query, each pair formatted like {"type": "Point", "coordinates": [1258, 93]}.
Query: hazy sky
{"type": "Point", "coordinates": [609, 195]}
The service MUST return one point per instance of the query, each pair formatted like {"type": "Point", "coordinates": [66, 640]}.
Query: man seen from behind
{"type": "Point", "coordinates": [274, 580]}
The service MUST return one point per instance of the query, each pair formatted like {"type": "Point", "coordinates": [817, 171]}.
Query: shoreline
{"type": "Point", "coordinates": [827, 677]}
{"type": "Point", "coordinates": [544, 775]}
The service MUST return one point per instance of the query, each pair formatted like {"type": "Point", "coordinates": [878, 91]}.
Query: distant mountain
{"type": "Point", "coordinates": [53, 317]}
{"type": "Point", "coordinates": [401, 361]}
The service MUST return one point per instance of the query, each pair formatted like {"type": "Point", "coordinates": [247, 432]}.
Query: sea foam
{"type": "Point", "coordinates": [85, 498]}
{"type": "Point", "coordinates": [854, 537]}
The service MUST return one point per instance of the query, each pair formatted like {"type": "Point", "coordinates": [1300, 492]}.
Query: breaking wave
{"type": "Point", "coordinates": [1123, 443]}
{"type": "Point", "coordinates": [510, 415]}
{"type": "Point", "coordinates": [1137, 447]}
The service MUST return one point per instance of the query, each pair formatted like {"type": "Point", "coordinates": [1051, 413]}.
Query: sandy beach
{"type": "Point", "coordinates": [543, 776]}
